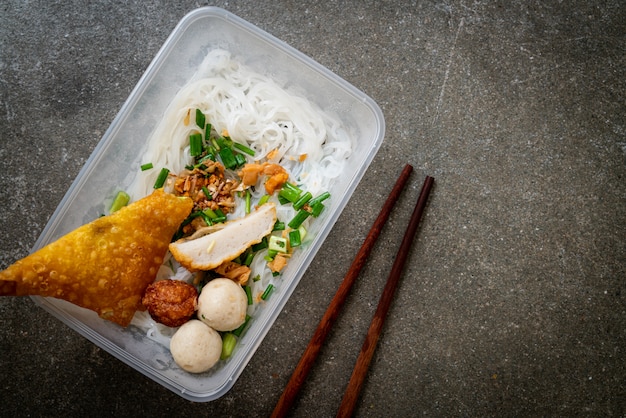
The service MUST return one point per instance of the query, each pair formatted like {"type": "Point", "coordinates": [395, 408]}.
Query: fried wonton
{"type": "Point", "coordinates": [106, 264]}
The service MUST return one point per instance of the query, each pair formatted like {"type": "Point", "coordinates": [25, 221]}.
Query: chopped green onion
{"type": "Point", "coordinates": [294, 238]}
{"type": "Point", "coordinates": [248, 201]}
{"type": "Point", "coordinates": [263, 200]}
{"type": "Point", "coordinates": [292, 187]}
{"type": "Point", "coordinates": [249, 258]}
{"type": "Point", "coordinates": [228, 345]}
{"type": "Point", "coordinates": [278, 244]}
{"type": "Point", "coordinates": [121, 199]}
{"type": "Point", "coordinates": [207, 193]}
{"type": "Point", "coordinates": [298, 204]}
{"type": "Point", "coordinates": [256, 278]}
{"type": "Point", "coordinates": [200, 118]}
{"type": "Point", "coordinates": [160, 181]}
{"type": "Point", "coordinates": [319, 199]}
{"type": "Point", "coordinates": [210, 155]}
{"type": "Point", "coordinates": [243, 148]}
{"type": "Point", "coordinates": [219, 219]}
{"type": "Point", "coordinates": [317, 208]}
{"type": "Point", "coordinates": [239, 330]}
{"type": "Point", "coordinates": [207, 219]}
{"type": "Point", "coordinates": [303, 232]}
{"type": "Point", "coordinates": [209, 216]}
{"type": "Point", "coordinates": [290, 192]}
{"type": "Point", "coordinates": [228, 158]}
{"type": "Point", "coordinates": [225, 142]}
{"type": "Point", "coordinates": [270, 255]}
{"type": "Point", "coordinates": [195, 144]}
{"type": "Point", "coordinates": [240, 159]}
{"type": "Point", "coordinates": [268, 291]}
{"type": "Point", "coordinates": [248, 290]}
{"type": "Point", "coordinates": [146, 166]}
{"type": "Point", "coordinates": [298, 219]}
{"type": "Point", "coordinates": [279, 226]}
{"type": "Point", "coordinates": [207, 132]}
{"type": "Point", "coordinates": [210, 213]}
{"type": "Point", "coordinates": [282, 200]}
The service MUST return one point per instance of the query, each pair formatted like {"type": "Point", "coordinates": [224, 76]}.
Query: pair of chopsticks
{"type": "Point", "coordinates": [367, 351]}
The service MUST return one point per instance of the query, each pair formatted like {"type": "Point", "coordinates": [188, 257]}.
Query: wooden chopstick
{"type": "Point", "coordinates": [310, 354]}
{"type": "Point", "coordinates": [353, 389]}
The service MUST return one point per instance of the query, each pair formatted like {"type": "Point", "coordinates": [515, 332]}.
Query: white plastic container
{"type": "Point", "coordinates": [116, 158]}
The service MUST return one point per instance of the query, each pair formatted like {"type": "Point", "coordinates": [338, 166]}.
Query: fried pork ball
{"type": "Point", "coordinates": [196, 347]}
{"type": "Point", "coordinates": [222, 304]}
{"type": "Point", "coordinates": [171, 302]}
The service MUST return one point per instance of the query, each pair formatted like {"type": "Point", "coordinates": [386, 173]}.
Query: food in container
{"type": "Point", "coordinates": [116, 164]}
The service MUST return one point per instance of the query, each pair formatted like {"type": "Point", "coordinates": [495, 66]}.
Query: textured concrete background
{"type": "Point", "coordinates": [513, 303]}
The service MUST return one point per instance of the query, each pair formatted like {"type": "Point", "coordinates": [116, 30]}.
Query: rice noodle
{"type": "Point", "coordinates": [259, 114]}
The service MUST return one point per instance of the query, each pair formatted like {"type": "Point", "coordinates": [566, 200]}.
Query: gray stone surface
{"type": "Point", "coordinates": [513, 302]}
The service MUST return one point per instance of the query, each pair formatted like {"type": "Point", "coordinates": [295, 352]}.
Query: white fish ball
{"type": "Point", "coordinates": [222, 305]}
{"type": "Point", "coordinates": [196, 347]}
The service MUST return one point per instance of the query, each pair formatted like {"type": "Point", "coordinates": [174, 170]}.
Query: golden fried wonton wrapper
{"type": "Point", "coordinates": [106, 264]}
